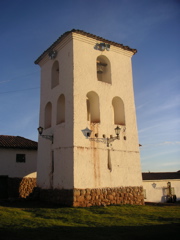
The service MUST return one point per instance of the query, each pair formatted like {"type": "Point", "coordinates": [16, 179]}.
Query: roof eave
{"type": "Point", "coordinates": [86, 34]}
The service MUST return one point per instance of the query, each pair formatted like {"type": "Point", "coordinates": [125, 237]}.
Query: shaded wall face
{"type": "Point", "coordinates": [55, 160]}
{"type": "Point", "coordinates": [91, 158]}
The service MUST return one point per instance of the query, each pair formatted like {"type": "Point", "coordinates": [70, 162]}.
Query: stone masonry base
{"type": "Point", "coordinates": [94, 197]}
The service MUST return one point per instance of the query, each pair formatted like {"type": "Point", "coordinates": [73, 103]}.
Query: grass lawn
{"type": "Point", "coordinates": [33, 221]}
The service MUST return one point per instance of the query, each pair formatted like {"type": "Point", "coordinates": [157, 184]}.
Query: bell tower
{"type": "Point", "coordinates": [88, 150]}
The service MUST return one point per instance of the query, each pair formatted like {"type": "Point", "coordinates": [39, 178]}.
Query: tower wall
{"type": "Point", "coordinates": [55, 160]}
{"type": "Point", "coordinates": [91, 158]}
{"type": "Point", "coordinates": [73, 170]}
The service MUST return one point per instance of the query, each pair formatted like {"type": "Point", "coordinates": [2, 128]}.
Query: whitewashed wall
{"type": "Point", "coordinates": [77, 162]}
{"type": "Point", "coordinates": [11, 168]}
{"type": "Point", "coordinates": [157, 193]}
{"type": "Point", "coordinates": [62, 147]}
{"type": "Point", "coordinates": [90, 157]}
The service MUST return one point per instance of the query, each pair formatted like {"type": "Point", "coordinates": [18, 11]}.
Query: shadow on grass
{"type": "Point", "coordinates": [110, 233]}
{"type": "Point", "coordinates": [24, 203]}
{"type": "Point", "coordinates": [148, 232]}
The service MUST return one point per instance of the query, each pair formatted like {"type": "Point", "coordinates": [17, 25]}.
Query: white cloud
{"type": "Point", "coordinates": [169, 143]}
{"type": "Point", "coordinates": [161, 166]}
{"type": "Point", "coordinates": [160, 153]}
{"type": "Point", "coordinates": [148, 128]}
{"type": "Point", "coordinates": [166, 164]}
{"type": "Point", "coordinates": [160, 144]}
{"type": "Point", "coordinates": [143, 105]}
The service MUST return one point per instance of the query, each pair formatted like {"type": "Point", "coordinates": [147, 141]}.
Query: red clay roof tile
{"type": "Point", "coordinates": [17, 142]}
{"type": "Point", "coordinates": [85, 34]}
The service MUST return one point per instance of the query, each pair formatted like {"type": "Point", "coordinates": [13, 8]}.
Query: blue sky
{"type": "Point", "coordinates": [27, 28]}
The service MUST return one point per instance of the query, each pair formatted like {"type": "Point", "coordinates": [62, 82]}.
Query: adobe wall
{"type": "Point", "coordinates": [90, 157]}
{"type": "Point", "coordinates": [14, 169]}
{"type": "Point", "coordinates": [72, 161]}
{"type": "Point", "coordinates": [20, 187]}
{"type": "Point", "coordinates": [62, 147]}
{"type": "Point", "coordinates": [156, 190]}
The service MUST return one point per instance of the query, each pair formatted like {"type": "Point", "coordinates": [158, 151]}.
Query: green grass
{"type": "Point", "coordinates": [33, 221]}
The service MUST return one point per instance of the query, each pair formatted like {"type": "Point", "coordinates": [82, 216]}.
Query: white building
{"type": "Point", "coordinates": [161, 186]}
{"type": "Point", "coordinates": [18, 162]}
{"type": "Point", "coordinates": [86, 82]}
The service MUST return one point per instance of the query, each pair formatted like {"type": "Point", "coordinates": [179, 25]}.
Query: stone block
{"type": "Point", "coordinates": [77, 192]}
{"type": "Point", "coordinates": [88, 191]}
{"type": "Point", "coordinates": [82, 192]}
{"type": "Point", "coordinates": [88, 197]}
{"type": "Point", "coordinates": [80, 198]}
{"type": "Point", "coordinates": [110, 197]}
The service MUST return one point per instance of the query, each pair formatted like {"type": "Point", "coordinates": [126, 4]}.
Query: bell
{"type": "Point", "coordinates": [100, 71]}
{"type": "Point", "coordinates": [99, 68]}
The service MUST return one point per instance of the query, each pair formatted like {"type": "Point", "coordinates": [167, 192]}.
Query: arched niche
{"type": "Point", "coordinates": [103, 69]}
{"type": "Point", "coordinates": [48, 115]}
{"type": "Point", "coordinates": [93, 110]}
{"type": "Point", "coordinates": [60, 109]}
{"type": "Point", "coordinates": [119, 113]}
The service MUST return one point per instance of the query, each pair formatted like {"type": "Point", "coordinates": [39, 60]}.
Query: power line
{"type": "Point", "coordinates": [27, 89]}
{"type": "Point", "coordinates": [15, 78]}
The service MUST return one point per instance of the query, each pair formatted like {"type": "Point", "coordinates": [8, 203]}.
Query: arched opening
{"type": "Point", "coordinates": [93, 111]}
{"type": "Point", "coordinates": [61, 109]}
{"type": "Point", "coordinates": [48, 115]}
{"type": "Point", "coordinates": [55, 74]}
{"type": "Point", "coordinates": [103, 69]}
{"type": "Point", "coordinates": [119, 114]}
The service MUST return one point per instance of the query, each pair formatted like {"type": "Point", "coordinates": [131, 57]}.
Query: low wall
{"type": "Point", "coordinates": [108, 196]}
{"type": "Point", "coordinates": [26, 187]}
{"type": "Point", "coordinates": [94, 197]}
{"type": "Point", "coordinates": [20, 187]}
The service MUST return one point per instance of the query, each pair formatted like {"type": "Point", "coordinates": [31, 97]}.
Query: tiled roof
{"type": "Point", "coordinates": [87, 35]}
{"type": "Point", "coordinates": [17, 142]}
{"type": "Point", "coordinates": [160, 175]}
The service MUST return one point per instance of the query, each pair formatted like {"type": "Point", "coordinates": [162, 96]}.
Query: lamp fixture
{"type": "Point", "coordinates": [103, 46]}
{"type": "Point", "coordinates": [52, 54]}
{"type": "Point", "coordinates": [87, 133]}
{"type": "Point", "coordinates": [49, 137]}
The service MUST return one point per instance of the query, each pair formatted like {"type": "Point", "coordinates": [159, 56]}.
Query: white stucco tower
{"type": "Point", "coordinates": [86, 82]}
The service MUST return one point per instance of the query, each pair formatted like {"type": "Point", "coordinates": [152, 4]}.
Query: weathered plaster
{"type": "Point", "coordinates": [79, 162]}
